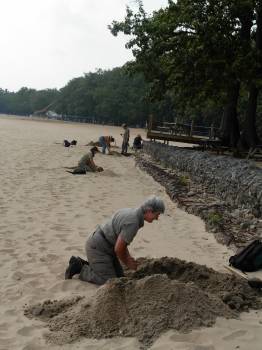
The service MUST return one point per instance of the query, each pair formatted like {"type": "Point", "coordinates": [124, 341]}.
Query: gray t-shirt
{"type": "Point", "coordinates": [85, 159]}
{"type": "Point", "coordinates": [86, 163]}
{"type": "Point", "coordinates": [125, 222]}
{"type": "Point", "coordinates": [126, 135]}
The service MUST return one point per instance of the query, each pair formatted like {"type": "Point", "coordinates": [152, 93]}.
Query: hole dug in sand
{"type": "Point", "coordinates": [163, 294]}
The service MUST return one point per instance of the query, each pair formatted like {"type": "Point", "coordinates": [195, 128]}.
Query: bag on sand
{"type": "Point", "coordinates": [67, 143]}
{"type": "Point", "coordinates": [249, 258]}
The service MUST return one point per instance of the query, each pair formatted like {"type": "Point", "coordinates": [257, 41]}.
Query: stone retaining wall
{"type": "Point", "coordinates": [238, 182]}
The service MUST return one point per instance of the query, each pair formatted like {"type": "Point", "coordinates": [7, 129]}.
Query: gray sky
{"type": "Point", "coordinates": [45, 43]}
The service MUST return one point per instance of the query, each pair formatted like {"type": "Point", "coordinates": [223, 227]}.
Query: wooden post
{"type": "Point", "coordinates": [211, 134]}
{"type": "Point", "coordinates": [191, 128]}
{"type": "Point", "coordinates": [150, 122]}
{"type": "Point", "coordinates": [174, 131]}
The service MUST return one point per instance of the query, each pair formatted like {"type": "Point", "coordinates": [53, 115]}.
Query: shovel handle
{"type": "Point", "coordinates": [253, 282]}
{"type": "Point", "coordinates": [236, 272]}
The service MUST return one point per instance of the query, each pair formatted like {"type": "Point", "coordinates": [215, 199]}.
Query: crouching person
{"type": "Point", "coordinates": [107, 247]}
{"type": "Point", "coordinates": [86, 163]}
{"type": "Point", "coordinates": [105, 142]}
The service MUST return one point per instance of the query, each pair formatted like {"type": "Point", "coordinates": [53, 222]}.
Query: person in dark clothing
{"type": "Point", "coordinates": [137, 143]}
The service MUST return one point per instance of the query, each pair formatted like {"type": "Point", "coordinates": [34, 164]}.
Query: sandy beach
{"type": "Point", "coordinates": [47, 214]}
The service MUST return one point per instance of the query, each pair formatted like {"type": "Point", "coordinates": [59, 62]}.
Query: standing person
{"type": "Point", "coordinates": [125, 136]}
{"type": "Point", "coordinates": [105, 142]}
{"type": "Point", "coordinates": [108, 245]}
{"type": "Point", "coordinates": [87, 163]}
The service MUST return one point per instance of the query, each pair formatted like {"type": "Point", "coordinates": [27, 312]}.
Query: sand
{"type": "Point", "coordinates": [46, 215]}
{"type": "Point", "coordinates": [162, 294]}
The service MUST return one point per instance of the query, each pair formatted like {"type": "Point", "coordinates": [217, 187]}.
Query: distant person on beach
{"type": "Point", "coordinates": [105, 142]}
{"type": "Point", "coordinates": [86, 163]}
{"type": "Point", "coordinates": [107, 247]}
{"type": "Point", "coordinates": [125, 136]}
{"type": "Point", "coordinates": [67, 143]}
{"type": "Point", "coordinates": [137, 143]}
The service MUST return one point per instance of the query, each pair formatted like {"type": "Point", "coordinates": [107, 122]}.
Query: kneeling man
{"type": "Point", "coordinates": [108, 245]}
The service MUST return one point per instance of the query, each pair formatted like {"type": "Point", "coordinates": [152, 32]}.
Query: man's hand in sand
{"type": "Point", "coordinates": [123, 254]}
{"type": "Point", "coordinates": [99, 169]}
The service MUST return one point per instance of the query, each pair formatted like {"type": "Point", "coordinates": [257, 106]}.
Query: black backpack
{"type": "Point", "coordinates": [249, 258]}
{"type": "Point", "coordinates": [67, 143]}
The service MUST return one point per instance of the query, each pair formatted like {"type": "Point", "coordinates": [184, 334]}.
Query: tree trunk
{"type": "Point", "coordinates": [249, 136]}
{"type": "Point", "coordinates": [229, 129]}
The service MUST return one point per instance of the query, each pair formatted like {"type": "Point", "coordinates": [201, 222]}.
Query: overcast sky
{"type": "Point", "coordinates": [45, 43]}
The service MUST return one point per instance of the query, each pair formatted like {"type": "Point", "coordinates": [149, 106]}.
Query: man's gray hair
{"type": "Point", "coordinates": [153, 203]}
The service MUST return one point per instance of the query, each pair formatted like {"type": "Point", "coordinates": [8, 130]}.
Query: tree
{"type": "Point", "coordinates": [249, 136]}
{"type": "Point", "coordinates": [198, 51]}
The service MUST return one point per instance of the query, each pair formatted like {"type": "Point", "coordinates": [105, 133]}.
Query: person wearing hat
{"type": "Point", "coordinates": [125, 136]}
{"type": "Point", "coordinates": [107, 247]}
{"type": "Point", "coordinates": [86, 163]}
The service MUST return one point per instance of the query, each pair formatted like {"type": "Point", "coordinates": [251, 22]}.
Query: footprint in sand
{"type": "Point", "coordinates": [72, 248]}
{"type": "Point", "coordinates": [102, 207]}
{"type": "Point", "coordinates": [11, 312]}
{"type": "Point", "coordinates": [138, 249]}
{"type": "Point", "coordinates": [52, 257]}
{"type": "Point", "coordinates": [7, 342]}
{"type": "Point", "coordinates": [3, 326]}
{"type": "Point", "coordinates": [7, 250]}
{"type": "Point", "coordinates": [109, 173]}
{"type": "Point", "coordinates": [235, 335]}
{"type": "Point", "coordinates": [204, 347]}
{"type": "Point", "coordinates": [60, 235]}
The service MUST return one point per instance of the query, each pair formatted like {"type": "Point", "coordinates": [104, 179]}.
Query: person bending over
{"type": "Point", "coordinates": [105, 142]}
{"type": "Point", "coordinates": [107, 247]}
{"type": "Point", "coordinates": [86, 163]}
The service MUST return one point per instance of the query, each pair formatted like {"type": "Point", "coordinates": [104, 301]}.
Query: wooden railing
{"type": "Point", "coordinates": [183, 129]}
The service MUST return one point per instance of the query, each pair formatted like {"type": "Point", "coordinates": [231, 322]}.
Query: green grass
{"type": "Point", "coordinates": [184, 180]}
{"type": "Point", "coordinates": [214, 219]}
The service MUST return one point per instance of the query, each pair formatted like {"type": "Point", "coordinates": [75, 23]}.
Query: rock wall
{"type": "Point", "coordinates": [237, 182]}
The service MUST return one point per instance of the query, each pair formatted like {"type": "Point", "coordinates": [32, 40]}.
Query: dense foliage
{"type": "Point", "coordinates": [107, 96]}
{"type": "Point", "coordinates": [26, 101]}
{"type": "Point", "coordinates": [204, 54]}
{"type": "Point", "coordinates": [111, 97]}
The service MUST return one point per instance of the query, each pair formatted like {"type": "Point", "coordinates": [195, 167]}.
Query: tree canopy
{"type": "Point", "coordinates": [201, 53]}
{"type": "Point", "coordinates": [104, 96]}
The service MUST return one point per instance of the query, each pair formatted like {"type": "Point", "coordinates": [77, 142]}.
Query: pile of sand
{"type": "Point", "coordinates": [163, 294]}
